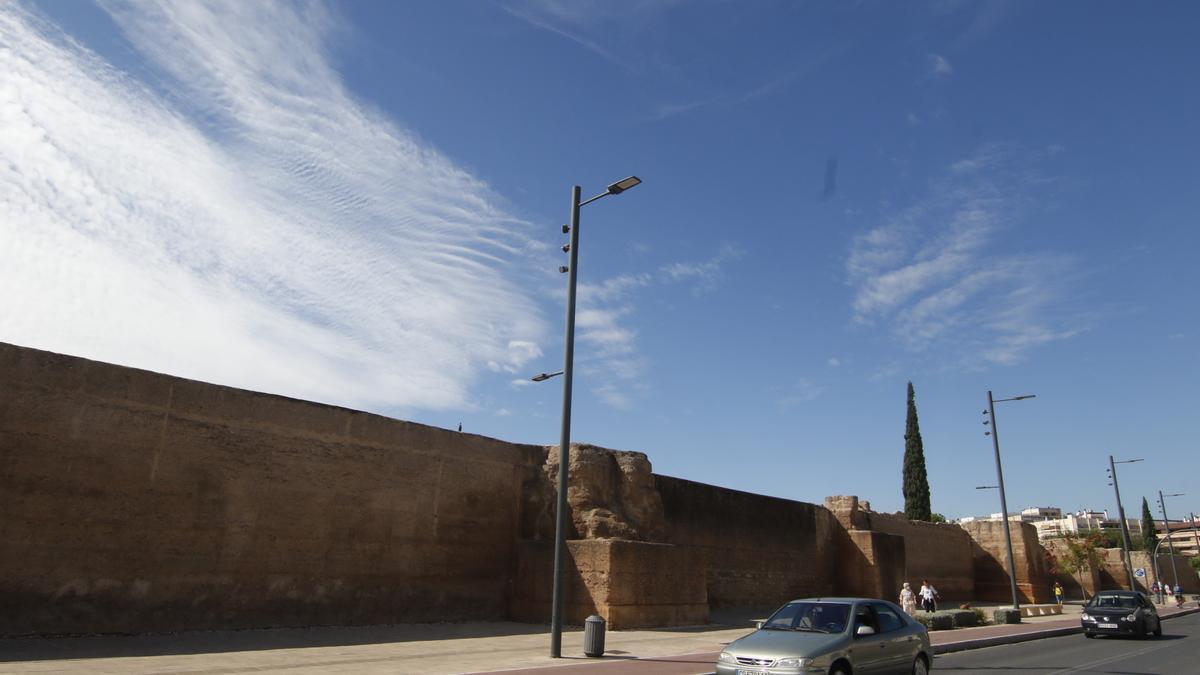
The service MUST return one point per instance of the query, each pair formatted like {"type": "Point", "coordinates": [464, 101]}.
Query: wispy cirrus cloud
{"type": "Point", "coordinates": [928, 275]}
{"type": "Point", "coordinates": [604, 315]}
{"type": "Point", "coordinates": [803, 391]}
{"type": "Point", "coordinates": [587, 23]}
{"type": "Point", "coordinates": [939, 66]}
{"type": "Point", "coordinates": [705, 275]}
{"type": "Point", "coordinates": [245, 221]}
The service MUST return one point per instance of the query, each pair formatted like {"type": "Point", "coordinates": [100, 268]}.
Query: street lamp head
{"type": "Point", "coordinates": [987, 487]}
{"type": "Point", "coordinates": [1022, 398]}
{"type": "Point", "coordinates": [542, 377]}
{"type": "Point", "coordinates": [623, 185]}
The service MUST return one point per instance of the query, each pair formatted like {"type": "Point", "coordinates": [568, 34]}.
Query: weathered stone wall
{"type": "Point", "coordinates": [1188, 578]}
{"type": "Point", "coordinates": [871, 565]}
{"type": "Point", "coordinates": [1083, 583]}
{"type": "Point", "coordinates": [938, 552]}
{"type": "Point", "coordinates": [632, 584]}
{"type": "Point", "coordinates": [132, 501]}
{"type": "Point", "coordinates": [760, 551]}
{"type": "Point", "coordinates": [1034, 582]}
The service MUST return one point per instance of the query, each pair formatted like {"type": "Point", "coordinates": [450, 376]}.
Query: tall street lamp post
{"type": "Point", "coordinates": [1112, 468]}
{"type": "Point", "coordinates": [991, 411]}
{"type": "Point", "coordinates": [564, 444]}
{"type": "Point", "coordinates": [1167, 527]}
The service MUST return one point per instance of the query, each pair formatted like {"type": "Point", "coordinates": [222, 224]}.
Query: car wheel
{"type": "Point", "coordinates": [920, 667]}
{"type": "Point", "coordinates": [840, 669]}
{"type": "Point", "coordinates": [1158, 630]}
{"type": "Point", "coordinates": [1089, 635]}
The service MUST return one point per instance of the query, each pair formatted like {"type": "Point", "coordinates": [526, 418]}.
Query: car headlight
{"type": "Point", "coordinates": [726, 657]}
{"type": "Point", "coordinates": [1132, 617]}
{"type": "Point", "coordinates": [1085, 617]}
{"type": "Point", "coordinates": [793, 662]}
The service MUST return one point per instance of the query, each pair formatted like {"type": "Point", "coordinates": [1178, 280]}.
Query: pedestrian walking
{"type": "Point", "coordinates": [1179, 596]}
{"type": "Point", "coordinates": [908, 600]}
{"type": "Point", "coordinates": [1058, 592]}
{"type": "Point", "coordinates": [928, 596]}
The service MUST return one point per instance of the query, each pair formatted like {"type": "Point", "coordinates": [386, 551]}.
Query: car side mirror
{"type": "Point", "coordinates": [759, 624]}
{"type": "Point", "coordinates": [864, 630]}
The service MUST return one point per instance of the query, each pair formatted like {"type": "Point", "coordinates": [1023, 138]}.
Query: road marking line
{"type": "Point", "coordinates": [1110, 659]}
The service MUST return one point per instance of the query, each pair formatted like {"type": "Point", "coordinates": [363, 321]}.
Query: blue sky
{"type": "Point", "coordinates": [359, 204]}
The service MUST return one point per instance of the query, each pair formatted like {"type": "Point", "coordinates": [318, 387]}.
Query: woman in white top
{"type": "Point", "coordinates": [928, 597]}
{"type": "Point", "coordinates": [908, 599]}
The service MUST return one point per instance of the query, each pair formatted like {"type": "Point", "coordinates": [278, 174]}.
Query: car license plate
{"type": "Point", "coordinates": [743, 671]}
{"type": "Point", "coordinates": [1107, 625]}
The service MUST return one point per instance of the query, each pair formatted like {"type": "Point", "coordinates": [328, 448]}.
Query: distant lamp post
{"type": "Point", "coordinates": [991, 411]}
{"type": "Point", "coordinates": [1112, 471]}
{"type": "Point", "coordinates": [1162, 504]}
{"type": "Point", "coordinates": [542, 377]}
{"type": "Point", "coordinates": [564, 444]}
{"type": "Point", "coordinates": [1195, 533]}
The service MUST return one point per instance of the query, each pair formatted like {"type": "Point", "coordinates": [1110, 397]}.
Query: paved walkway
{"type": "Point", "coordinates": [435, 649]}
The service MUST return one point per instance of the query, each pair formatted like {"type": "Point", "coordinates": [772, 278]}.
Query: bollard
{"type": "Point", "coordinates": [593, 636]}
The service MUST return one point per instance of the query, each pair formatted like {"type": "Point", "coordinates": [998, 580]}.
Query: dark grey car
{"type": "Point", "coordinates": [1120, 613]}
{"type": "Point", "coordinates": [831, 636]}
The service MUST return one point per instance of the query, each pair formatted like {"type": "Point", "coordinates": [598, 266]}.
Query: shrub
{"type": "Point", "coordinates": [936, 621]}
{"type": "Point", "coordinates": [964, 618]}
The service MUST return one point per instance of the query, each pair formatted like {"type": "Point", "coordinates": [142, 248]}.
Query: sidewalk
{"type": "Point", "coordinates": [436, 649]}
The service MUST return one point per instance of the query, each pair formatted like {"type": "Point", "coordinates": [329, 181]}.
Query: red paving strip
{"type": "Point", "coordinates": [685, 664]}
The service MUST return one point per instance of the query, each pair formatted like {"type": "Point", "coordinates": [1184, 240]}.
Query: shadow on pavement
{"type": "Point", "coordinates": [208, 642]}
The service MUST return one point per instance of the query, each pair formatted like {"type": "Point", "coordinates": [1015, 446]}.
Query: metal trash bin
{"type": "Point", "coordinates": [593, 636]}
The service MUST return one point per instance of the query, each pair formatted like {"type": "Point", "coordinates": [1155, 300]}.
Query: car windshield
{"type": "Point", "coordinates": [1118, 601]}
{"type": "Point", "coordinates": [820, 617]}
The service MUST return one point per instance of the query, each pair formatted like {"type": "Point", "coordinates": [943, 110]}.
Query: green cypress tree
{"type": "Point", "coordinates": [1149, 531]}
{"type": "Point", "coordinates": [916, 481]}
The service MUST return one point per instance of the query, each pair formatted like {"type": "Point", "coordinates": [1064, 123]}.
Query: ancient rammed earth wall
{"type": "Point", "coordinates": [133, 501]}
{"type": "Point", "coordinates": [136, 502]}
{"type": "Point", "coordinates": [992, 583]}
{"type": "Point", "coordinates": [938, 552]}
{"type": "Point", "coordinates": [761, 551]}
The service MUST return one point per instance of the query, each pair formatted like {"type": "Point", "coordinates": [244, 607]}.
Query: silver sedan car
{"type": "Point", "coordinates": [831, 636]}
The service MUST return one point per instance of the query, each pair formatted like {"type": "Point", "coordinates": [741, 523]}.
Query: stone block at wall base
{"type": "Point", "coordinates": [1001, 616]}
{"type": "Point", "coordinates": [631, 584]}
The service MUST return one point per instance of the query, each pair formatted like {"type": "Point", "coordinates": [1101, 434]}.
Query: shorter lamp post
{"type": "Point", "coordinates": [1112, 469]}
{"type": "Point", "coordinates": [995, 434]}
{"type": "Point", "coordinates": [1162, 503]}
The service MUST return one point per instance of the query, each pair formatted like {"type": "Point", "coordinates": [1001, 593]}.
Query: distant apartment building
{"type": "Point", "coordinates": [1050, 521]}
{"type": "Point", "coordinates": [1184, 536]}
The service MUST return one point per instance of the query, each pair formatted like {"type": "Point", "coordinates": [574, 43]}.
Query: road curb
{"type": "Point", "coordinates": [1003, 639]}
{"type": "Point", "coordinates": [1027, 637]}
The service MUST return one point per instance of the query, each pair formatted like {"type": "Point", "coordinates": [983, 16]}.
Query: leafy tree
{"type": "Point", "coordinates": [1108, 538]}
{"type": "Point", "coordinates": [916, 481]}
{"type": "Point", "coordinates": [1194, 561]}
{"type": "Point", "coordinates": [1149, 532]}
{"type": "Point", "coordinates": [1082, 553]}
{"type": "Point", "coordinates": [937, 518]}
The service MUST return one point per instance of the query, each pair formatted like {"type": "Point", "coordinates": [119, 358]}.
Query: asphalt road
{"type": "Point", "coordinates": [1177, 652]}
